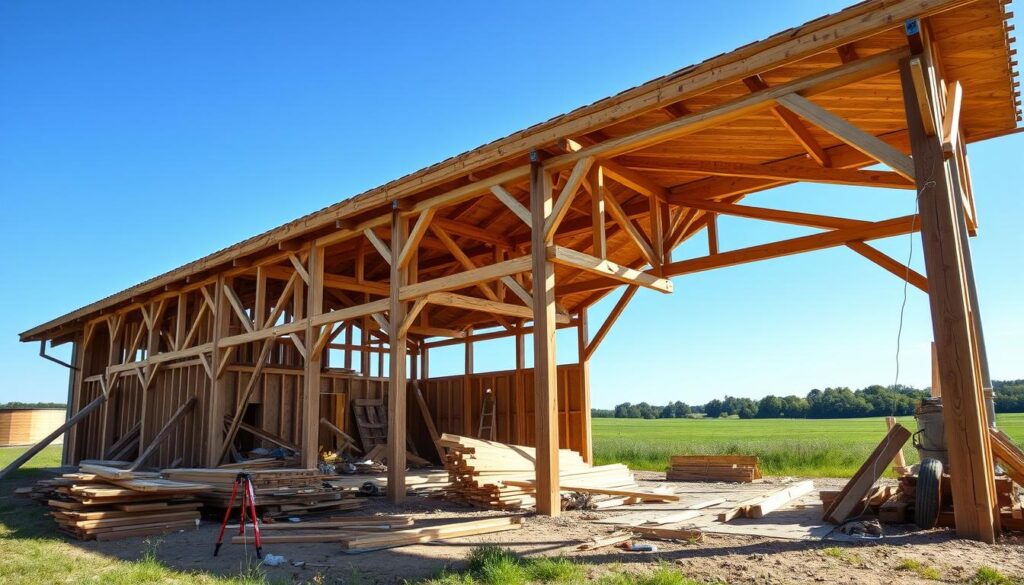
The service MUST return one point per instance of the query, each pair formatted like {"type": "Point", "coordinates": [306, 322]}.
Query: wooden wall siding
{"type": "Point", "coordinates": [444, 397]}
{"type": "Point", "coordinates": [89, 430]}
{"type": "Point", "coordinates": [172, 388]}
{"type": "Point", "coordinates": [26, 426]}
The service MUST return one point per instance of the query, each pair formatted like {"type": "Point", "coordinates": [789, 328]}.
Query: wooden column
{"type": "Point", "coordinates": [364, 343]}
{"type": "Point", "coordinates": [544, 365]}
{"type": "Point", "coordinates": [467, 387]}
{"type": "Point", "coordinates": [311, 376]}
{"type": "Point", "coordinates": [397, 381]}
{"type": "Point", "coordinates": [519, 385]}
{"type": "Point", "coordinates": [582, 335]}
{"type": "Point", "coordinates": [966, 422]}
{"type": "Point", "coordinates": [218, 386]}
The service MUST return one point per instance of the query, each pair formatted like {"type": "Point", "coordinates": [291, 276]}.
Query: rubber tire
{"type": "Point", "coordinates": [928, 495]}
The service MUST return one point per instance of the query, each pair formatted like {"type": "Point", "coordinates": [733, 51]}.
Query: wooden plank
{"type": "Point", "coordinates": [848, 133]}
{"type": "Point", "coordinates": [690, 534]}
{"type": "Point", "coordinates": [951, 120]}
{"type": "Point", "coordinates": [165, 431]}
{"type": "Point", "coordinates": [71, 422]}
{"type": "Point", "coordinates": [857, 488]}
{"type": "Point", "coordinates": [900, 460]}
{"type": "Point", "coordinates": [780, 499]}
{"type": "Point", "coordinates": [1004, 449]}
{"type": "Point", "coordinates": [428, 420]}
{"type": "Point", "coordinates": [900, 270]}
{"type": "Point", "coordinates": [429, 533]}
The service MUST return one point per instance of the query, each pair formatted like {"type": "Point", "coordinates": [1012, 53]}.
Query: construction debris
{"type": "Point", "coordinates": [729, 468]}
{"type": "Point", "coordinates": [421, 535]}
{"type": "Point", "coordinates": [760, 505]}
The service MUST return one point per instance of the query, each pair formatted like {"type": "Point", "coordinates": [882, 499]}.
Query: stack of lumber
{"type": "Point", "coordinates": [105, 503]}
{"type": "Point", "coordinates": [417, 481]}
{"type": "Point", "coordinates": [488, 474]}
{"type": "Point", "coordinates": [361, 533]}
{"type": "Point", "coordinates": [278, 491]}
{"type": "Point", "coordinates": [731, 468]}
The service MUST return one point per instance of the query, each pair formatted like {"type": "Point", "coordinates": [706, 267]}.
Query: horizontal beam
{"type": "Point", "coordinates": [775, 171]}
{"type": "Point", "coordinates": [767, 214]}
{"type": "Point", "coordinates": [485, 306]}
{"type": "Point", "coordinates": [464, 279]}
{"type": "Point", "coordinates": [569, 257]}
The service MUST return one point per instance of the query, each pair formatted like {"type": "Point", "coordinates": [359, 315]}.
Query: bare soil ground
{"type": "Point", "coordinates": [720, 557]}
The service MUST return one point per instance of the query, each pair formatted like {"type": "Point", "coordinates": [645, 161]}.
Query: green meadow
{"type": "Point", "coordinates": [799, 447]}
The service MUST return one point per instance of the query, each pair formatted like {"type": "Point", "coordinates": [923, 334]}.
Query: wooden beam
{"type": "Point", "coordinates": [164, 433]}
{"type": "Point", "coordinates": [466, 278]}
{"type": "Point", "coordinates": [781, 171]}
{"type": "Point", "coordinates": [927, 112]}
{"type": "Point", "coordinates": [595, 180]}
{"type": "Point", "coordinates": [583, 360]}
{"type": "Point", "coordinates": [767, 214]}
{"type": "Point", "coordinates": [396, 447]}
{"type": "Point", "coordinates": [951, 120]}
{"type": "Point", "coordinates": [613, 316]}
{"type": "Point", "coordinates": [793, 124]}
{"type": "Point", "coordinates": [512, 204]}
{"type": "Point", "coordinates": [548, 498]}
{"type": "Point", "coordinates": [239, 309]}
{"type": "Point", "coordinates": [966, 421]}
{"type": "Point", "coordinates": [485, 306]}
{"type": "Point", "coordinates": [417, 233]}
{"type": "Point", "coordinates": [243, 400]}
{"type": "Point", "coordinates": [867, 143]}
{"type": "Point", "coordinates": [712, 227]}
{"type": "Point", "coordinates": [570, 257]}
{"type": "Point", "coordinates": [70, 423]}
{"type": "Point", "coordinates": [902, 271]}
{"type": "Point", "coordinates": [378, 245]}
{"type": "Point", "coordinates": [561, 206]}
{"type": "Point", "coordinates": [627, 225]}
{"type": "Point", "coordinates": [312, 360]}
{"type": "Point", "coordinates": [857, 488]}
{"type": "Point", "coordinates": [631, 179]}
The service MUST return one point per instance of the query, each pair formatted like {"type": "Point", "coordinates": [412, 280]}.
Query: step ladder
{"type": "Point", "coordinates": [487, 415]}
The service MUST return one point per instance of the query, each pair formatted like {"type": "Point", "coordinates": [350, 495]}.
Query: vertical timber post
{"type": "Point", "coordinates": [966, 423]}
{"type": "Point", "coordinates": [467, 386]}
{"type": "Point", "coordinates": [218, 386]}
{"type": "Point", "coordinates": [518, 385]}
{"type": "Point", "coordinates": [544, 365]}
{"type": "Point", "coordinates": [397, 362]}
{"type": "Point", "coordinates": [75, 376]}
{"type": "Point", "coordinates": [311, 375]}
{"type": "Point", "coordinates": [582, 335]}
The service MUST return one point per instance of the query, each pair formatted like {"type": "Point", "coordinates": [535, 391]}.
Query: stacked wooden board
{"type": "Point", "coordinates": [731, 468]}
{"type": "Point", "coordinates": [278, 491]}
{"type": "Point", "coordinates": [496, 475]}
{"type": "Point", "coordinates": [107, 504]}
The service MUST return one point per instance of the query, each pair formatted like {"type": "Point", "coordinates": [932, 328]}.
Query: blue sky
{"type": "Point", "coordinates": [135, 137]}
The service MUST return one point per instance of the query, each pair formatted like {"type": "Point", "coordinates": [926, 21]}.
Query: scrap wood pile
{"type": "Point", "coordinates": [731, 468]}
{"type": "Point", "coordinates": [105, 503]}
{"type": "Point", "coordinates": [488, 474]}
{"type": "Point", "coordinates": [417, 481]}
{"type": "Point", "coordinates": [278, 491]}
{"type": "Point", "coordinates": [925, 498]}
{"type": "Point", "coordinates": [356, 533]}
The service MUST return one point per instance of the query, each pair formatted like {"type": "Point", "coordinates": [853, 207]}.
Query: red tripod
{"type": "Point", "coordinates": [248, 503]}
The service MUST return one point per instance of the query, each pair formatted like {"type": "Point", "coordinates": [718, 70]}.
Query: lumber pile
{"type": "Point", "coordinates": [278, 491]}
{"type": "Point", "coordinates": [360, 533]}
{"type": "Point", "coordinates": [489, 474]}
{"type": "Point", "coordinates": [729, 468]}
{"type": "Point", "coordinates": [102, 503]}
{"type": "Point", "coordinates": [761, 505]}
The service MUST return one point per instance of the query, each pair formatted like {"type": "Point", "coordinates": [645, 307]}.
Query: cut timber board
{"type": "Point", "coordinates": [872, 469]}
{"type": "Point", "coordinates": [780, 499]}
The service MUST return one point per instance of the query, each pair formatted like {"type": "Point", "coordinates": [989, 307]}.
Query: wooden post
{"type": "Point", "coordinates": [519, 386]}
{"type": "Point", "coordinates": [936, 382]}
{"type": "Point", "coordinates": [78, 350]}
{"type": "Point", "coordinates": [966, 422]}
{"type": "Point", "coordinates": [582, 335]}
{"type": "Point", "coordinates": [425, 362]}
{"type": "Point", "coordinates": [397, 383]}
{"type": "Point", "coordinates": [544, 364]}
{"type": "Point", "coordinates": [467, 390]}
{"type": "Point", "coordinates": [596, 180]}
{"type": "Point", "coordinates": [311, 376]}
{"type": "Point", "coordinates": [218, 386]}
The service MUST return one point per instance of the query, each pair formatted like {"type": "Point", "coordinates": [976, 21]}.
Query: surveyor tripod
{"type": "Point", "coordinates": [247, 505]}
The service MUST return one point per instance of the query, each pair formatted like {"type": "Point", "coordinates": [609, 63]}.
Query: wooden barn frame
{"type": "Point", "coordinates": [522, 235]}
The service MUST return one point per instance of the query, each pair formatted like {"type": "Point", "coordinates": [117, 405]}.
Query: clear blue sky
{"type": "Point", "coordinates": [135, 137]}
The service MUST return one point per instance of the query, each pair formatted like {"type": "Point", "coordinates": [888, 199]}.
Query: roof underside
{"type": "Point", "coordinates": [970, 38]}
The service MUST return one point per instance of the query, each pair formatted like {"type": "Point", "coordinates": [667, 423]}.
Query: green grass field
{"type": "Point", "coordinates": [803, 447]}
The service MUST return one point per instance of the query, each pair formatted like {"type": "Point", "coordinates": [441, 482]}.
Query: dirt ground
{"type": "Point", "coordinates": [730, 558]}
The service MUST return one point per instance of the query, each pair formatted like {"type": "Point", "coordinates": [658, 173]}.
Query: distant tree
{"type": "Point", "coordinates": [667, 411]}
{"type": "Point", "coordinates": [681, 409]}
{"type": "Point", "coordinates": [622, 410]}
{"type": "Point", "coordinates": [713, 409]}
{"type": "Point", "coordinates": [1009, 395]}
{"type": "Point", "coordinates": [602, 413]}
{"type": "Point", "coordinates": [795, 407]}
{"type": "Point", "coordinates": [771, 407]}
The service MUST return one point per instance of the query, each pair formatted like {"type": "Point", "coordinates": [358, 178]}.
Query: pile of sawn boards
{"type": "Point", "coordinates": [488, 474]}
{"type": "Point", "coordinates": [729, 468]}
{"type": "Point", "coordinates": [278, 491]}
{"type": "Point", "coordinates": [104, 503]}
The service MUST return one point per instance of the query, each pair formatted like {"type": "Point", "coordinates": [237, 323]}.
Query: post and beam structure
{"type": "Point", "coordinates": [397, 364]}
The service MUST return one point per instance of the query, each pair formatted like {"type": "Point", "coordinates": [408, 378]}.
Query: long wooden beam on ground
{"type": "Point", "coordinates": [865, 477]}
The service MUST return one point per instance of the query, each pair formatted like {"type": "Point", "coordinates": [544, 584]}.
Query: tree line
{"type": "Point", "coordinates": [839, 402]}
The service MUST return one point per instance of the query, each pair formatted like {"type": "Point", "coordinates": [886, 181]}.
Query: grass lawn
{"type": "Point", "coordinates": [804, 447]}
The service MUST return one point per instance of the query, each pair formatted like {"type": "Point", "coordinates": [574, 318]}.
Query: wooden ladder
{"type": "Point", "coordinates": [487, 415]}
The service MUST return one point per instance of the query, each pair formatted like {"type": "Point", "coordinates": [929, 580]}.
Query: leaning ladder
{"type": "Point", "coordinates": [487, 416]}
